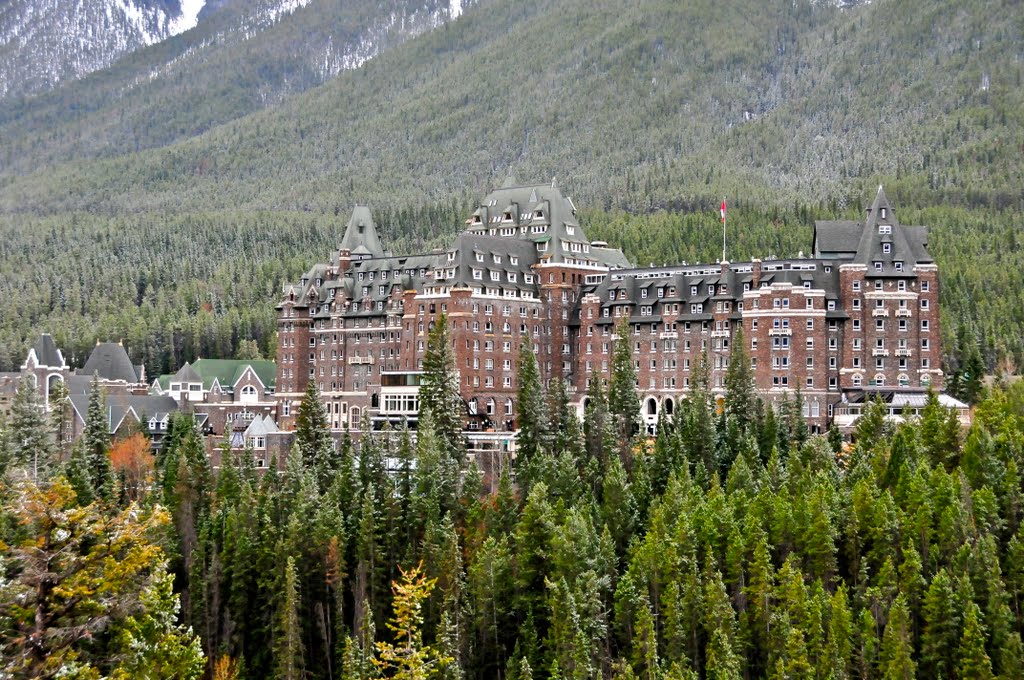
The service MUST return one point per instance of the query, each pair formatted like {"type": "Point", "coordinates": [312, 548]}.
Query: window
{"type": "Point", "coordinates": [886, 247]}
{"type": "Point", "coordinates": [878, 266]}
{"type": "Point", "coordinates": [925, 344]}
{"type": "Point", "coordinates": [884, 228]}
{"type": "Point", "coordinates": [924, 286]}
{"type": "Point", "coordinates": [899, 265]}
{"type": "Point", "coordinates": [857, 380]}
{"type": "Point", "coordinates": [856, 324]}
{"type": "Point", "coordinates": [924, 324]}
{"type": "Point", "coordinates": [924, 303]}
{"type": "Point", "coordinates": [856, 303]}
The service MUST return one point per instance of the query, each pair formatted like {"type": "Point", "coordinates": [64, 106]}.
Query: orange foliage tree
{"type": "Point", "coordinates": [132, 461]}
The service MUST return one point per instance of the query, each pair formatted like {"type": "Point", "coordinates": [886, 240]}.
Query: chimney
{"type": "Point", "coordinates": [756, 283]}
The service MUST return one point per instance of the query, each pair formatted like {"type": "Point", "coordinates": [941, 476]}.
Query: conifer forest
{"type": "Point", "coordinates": [733, 544]}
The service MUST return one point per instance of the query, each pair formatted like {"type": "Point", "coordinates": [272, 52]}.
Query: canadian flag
{"type": "Point", "coordinates": [723, 210]}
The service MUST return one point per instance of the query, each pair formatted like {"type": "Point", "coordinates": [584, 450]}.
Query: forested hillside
{"type": "Point", "coordinates": [647, 112]}
{"type": "Point", "coordinates": [734, 545]}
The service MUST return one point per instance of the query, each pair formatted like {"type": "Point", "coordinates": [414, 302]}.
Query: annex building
{"type": "Point", "coordinates": [859, 317]}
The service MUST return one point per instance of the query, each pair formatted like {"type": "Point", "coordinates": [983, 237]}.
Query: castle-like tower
{"type": "Point", "coordinates": [858, 317]}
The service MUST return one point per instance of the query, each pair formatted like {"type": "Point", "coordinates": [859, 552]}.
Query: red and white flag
{"type": "Point", "coordinates": [723, 210]}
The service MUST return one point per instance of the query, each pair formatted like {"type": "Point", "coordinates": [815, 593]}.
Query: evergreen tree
{"type": "Point", "coordinates": [623, 402]}
{"type": "Point", "coordinates": [530, 412]}
{"type": "Point", "coordinates": [740, 397]}
{"type": "Point", "coordinates": [30, 437]}
{"type": "Point", "coordinates": [973, 660]}
{"type": "Point", "coordinates": [940, 633]}
{"type": "Point", "coordinates": [897, 644]}
{"type": "Point", "coordinates": [697, 434]}
{"type": "Point", "coordinates": [289, 651]}
{"type": "Point", "coordinates": [439, 392]}
{"type": "Point", "coordinates": [408, 658]}
{"type": "Point", "coordinates": [313, 436]}
{"type": "Point", "coordinates": [96, 442]}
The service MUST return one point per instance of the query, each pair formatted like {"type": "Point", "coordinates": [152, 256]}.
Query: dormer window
{"type": "Point", "coordinates": [570, 230]}
{"type": "Point", "coordinates": [497, 259]}
{"type": "Point", "coordinates": [886, 247]}
{"type": "Point", "coordinates": [479, 257]}
{"type": "Point", "coordinates": [540, 214]}
{"type": "Point", "coordinates": [883, 213]}
{"type": "Point", "coordinates": [884, 228]}
{"type": "Point", "coordinates": [508, 217]}
{"type": "Point", "coordinates": [878, 266]}
{"type": "Point", "coordinates": [899, 266]}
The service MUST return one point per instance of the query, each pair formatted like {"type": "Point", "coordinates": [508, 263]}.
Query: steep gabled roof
{"type": "Point", "coordinates": [110, 361]}
{"type": "Point", "coordinates": [46, 352]}
{"type": "Point", "coordinates": [361, 234]}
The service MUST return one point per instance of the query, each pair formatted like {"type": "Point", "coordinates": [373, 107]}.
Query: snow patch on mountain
{"type": "Point", "coordinates": [189, 17]}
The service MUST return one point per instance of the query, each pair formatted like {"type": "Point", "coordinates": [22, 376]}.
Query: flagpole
{"type": "Point", "coordinates": [724, 209]}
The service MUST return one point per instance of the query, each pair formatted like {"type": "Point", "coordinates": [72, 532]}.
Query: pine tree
{"type": "Point", "coordinates": [60, 419]}
{"type": "Point", "coordinates": [439, 391]}
{"type": "Point", "coordinates": [289, 651]}
{"type": "Point", "coordinates": [313, 436]}
{"type": "Point", "coordinates": [940, 628]}
{"type": "Point", "coordinates": [973, 660]}
{"type": "Point", "coordinates": [623, 402]}
{"type": "Point", "coordinates": [96, 442]}
{"type": "Point", "coordinates": [740, 397]}
{"type": "Point", "coordinates": [897, 644]}
{"type": "Point", "coordinates": [30, 437]}
{"type": "Point", "coordinates": [530, 412]}
{"type": "Point", "coordinates": [698, 429]}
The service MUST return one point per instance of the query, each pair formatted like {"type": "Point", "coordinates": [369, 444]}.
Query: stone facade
{"type": "Point", "coordinates": [858, 316]}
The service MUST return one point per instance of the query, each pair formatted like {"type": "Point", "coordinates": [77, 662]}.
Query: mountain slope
{"type": "Point", "coordinates": [650, 102]}
{"type": "Point", "coordinates": [240, 58]}
{"type": "Point", "coordinates": [43, 42]}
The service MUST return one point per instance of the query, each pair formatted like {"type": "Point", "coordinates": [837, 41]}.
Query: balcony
{"type": "Point", "coordinates": [903, 352]}
{"type": "Point", "coordinates": [879, 311]}
{"type": "Point", "coordinates": [903, 312]}
{"type": "Point", "coordinates": [719, 334]}
{"type": "Point", "coordinates": [780, 331]}
{"type": "Point", "coordinates": [361, 360]}
{"type": "Point", "coordinates": [669, 335]}
{"type": "Point", "coordinates": [879, 352]}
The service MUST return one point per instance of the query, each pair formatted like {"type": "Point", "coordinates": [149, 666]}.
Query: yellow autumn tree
{"type": "Point", "coordinates": [407, 658]}
{"type": "Point", "coordinates": [87, 589]}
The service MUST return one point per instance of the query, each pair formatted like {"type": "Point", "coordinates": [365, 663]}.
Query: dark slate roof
{"type": "Point", "coordinates": [496, 254]}
{"type": "Point", "coordinates": [187, 374]}
{"type": "Point", "coordinates": [47, 353]}
{"type": "Point", "coordinates": [361, 234]}
{"type": "Point", "coordinates": [110, 361]}
{"type": "Point", "coordinates": [121, 405]}
{"type": "Point", "coordinates": [836, 239]}
{"type": "Point", "coordinates": [538, 213]}
{"type": "Point", "coordinates": [863, 244]}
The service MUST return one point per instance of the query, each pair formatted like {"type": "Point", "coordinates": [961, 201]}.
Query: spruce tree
{"type": "Point", "coordinates": [973, 661]}
{"type": "Point", "coordinates": [289, 651]}
{"type": "Point", "coordinates": [96, 442]}
{"type": "Point", "coordinates": [740, 397]}
{"type": "Point", "coordinates": [898, 644]}
{"type": "Point", "coordinates": [313, 436]}
{"type": "Point", "coordinates": [439, 391]}
{"type": "Point", "coordinates": [623, 402]}
{"type": "Point", "coordinates": [31, 441]}
{"type": "Point", "coordinates": [530, 412]}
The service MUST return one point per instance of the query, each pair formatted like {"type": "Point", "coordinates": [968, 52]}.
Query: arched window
{"type": "Point", "coordinates": [508, 407]}
{"type": "Point", "coordinates": [490, 407]}
{"type": "Point", "coordinates": [248, 394]}
{"type": "Point", "coordinates": [857, 380]}
{"type": "Point", "coordinates": [652, 407]}
{"type": "Point", "coordinates": [879, 378]}
{"type": "Point", "coordinates": [354, 414]}
{"type": "Point", "coordinates": [668, 407]}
